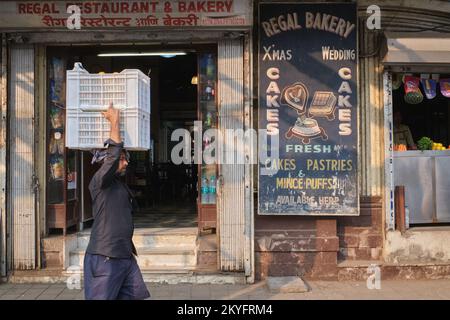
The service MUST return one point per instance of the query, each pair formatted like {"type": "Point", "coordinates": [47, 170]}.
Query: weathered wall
{"type": "Point", "coordinates": [361, 238]}
{"type": "Point", "coordinates": [207, 252]}
{"type": "Point", "coordinates": [56, 251]}
{"type": "Point", "coordinates": [418, 244]}
{"type": "Point", "coordinates": [286, 245]}
{"type": "Point", "coordinates": [312, 247]}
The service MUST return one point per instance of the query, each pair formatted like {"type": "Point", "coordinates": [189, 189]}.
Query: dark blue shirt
{"type": "Point", "coordinates": [112, 230]}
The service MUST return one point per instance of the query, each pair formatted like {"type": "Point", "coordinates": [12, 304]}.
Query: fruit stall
{"type": "Point", "coordinates": [421, 151]}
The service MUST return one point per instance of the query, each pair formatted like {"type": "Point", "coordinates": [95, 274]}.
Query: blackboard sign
{"type": "Point", "coordinates": [308, 109]}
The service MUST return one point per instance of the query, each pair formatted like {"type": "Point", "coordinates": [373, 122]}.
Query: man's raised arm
{"type": "Point", "coordinates": [104, 176]}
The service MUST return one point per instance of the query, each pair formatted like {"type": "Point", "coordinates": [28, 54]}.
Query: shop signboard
{"type": "Point", "coordinates": [308, 100]}
{"type": "Point", "coordinates": [126, 14]}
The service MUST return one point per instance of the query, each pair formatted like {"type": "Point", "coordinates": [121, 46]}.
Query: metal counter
{"type": "Point", "coordinates": [426, 177]}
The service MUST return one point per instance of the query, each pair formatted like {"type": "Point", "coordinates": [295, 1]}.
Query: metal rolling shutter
{"type": "Point", "coordinates": [21, 165]}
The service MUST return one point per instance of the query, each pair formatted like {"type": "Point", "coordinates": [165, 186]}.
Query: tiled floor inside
{"type": "Point", "coordinates": [166, 216]}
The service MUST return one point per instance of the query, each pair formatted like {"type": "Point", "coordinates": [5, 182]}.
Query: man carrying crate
{"type": "Point", "coordinates": [110, 269]}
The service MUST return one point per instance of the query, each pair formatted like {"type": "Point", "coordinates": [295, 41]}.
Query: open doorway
{"type": "Point", "coordinates": [167, 194]}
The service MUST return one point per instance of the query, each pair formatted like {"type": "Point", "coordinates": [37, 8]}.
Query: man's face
{"type": "Point", "coordinates": [123, 164]}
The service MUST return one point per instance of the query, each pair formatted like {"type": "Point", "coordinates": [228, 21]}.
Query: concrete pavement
{"type": "Point", "coordinates": [320, 290]}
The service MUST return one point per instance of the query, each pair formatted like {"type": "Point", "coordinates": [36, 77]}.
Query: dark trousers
{"type": "Point", "coordinates": [113, 279]}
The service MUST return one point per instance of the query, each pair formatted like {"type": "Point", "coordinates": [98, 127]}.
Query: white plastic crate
{"type": "Point", "coordinates": [88, 94]}
{"type": "Point", "coordinates": [129, 89]}
{"type": "Point", "coordinates": [88, 130]}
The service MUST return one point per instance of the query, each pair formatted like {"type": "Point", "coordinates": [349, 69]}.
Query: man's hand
{"type": "Point", "coordinates": [113, 116]}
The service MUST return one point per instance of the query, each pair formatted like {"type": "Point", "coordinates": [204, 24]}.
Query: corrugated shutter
{"type": "Point", "coordinates": [3, 149]}
{"type": "Point", "coordinates": [231, 218]}
{"type": "Point", "coordinates": [21, 140]}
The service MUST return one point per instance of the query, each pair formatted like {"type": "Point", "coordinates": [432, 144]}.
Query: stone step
{"type": "Point", "coordinates": [412, 263]}
{"type": "Point", "coordinates": [146, 270]}
{"type": "Point", "coordinates": [358, 263]}
{"type": "Point", "coordinates": [151, 257]}
{"type": "Point", "coordinates": [234, 278]}
{"type": "Point", "coordinates": [154, 276]}
{"type": "Point", "coordinates": [155, 238]}
{"type": "Point", "coordinates": [359, 270]}
{"type": "Point", "coordinates": [168, 270]}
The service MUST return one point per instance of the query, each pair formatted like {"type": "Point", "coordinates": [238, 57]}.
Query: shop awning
{"type": "Point", "coordinates": [419, 52]}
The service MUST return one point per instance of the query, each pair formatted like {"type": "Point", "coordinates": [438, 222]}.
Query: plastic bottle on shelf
{"type": "Point", "coordinates": [208, 119]}
{"type": "Point", "coordinates": [212, 91]}
{"type": "Point", "coordinates": [212, 190]}
{"type": "Point", "coordinates": [209, 90]}
{"type": "Point", "coordinates": [210, 66]}
{"type": "Point", "coordinates": [205, 191]}
{"type": "Point", "coordinates": [206, 143]}
{"type": "Point", "coordinates": [406, 217]}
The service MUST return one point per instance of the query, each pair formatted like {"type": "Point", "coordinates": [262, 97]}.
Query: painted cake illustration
{"type": "Point", "coordinates": [306, 127]}
{"type": "Point", "coordinates": [295, 96]}
{"type": "Point", "coordinates": [323, 105]}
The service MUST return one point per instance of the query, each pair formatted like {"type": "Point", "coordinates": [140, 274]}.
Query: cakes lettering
{"type": "Point", "coordinates": [317, 20]}
{"type": "Point", "coordinates": [272, 95]}
{"type": "Point", "coordinates": [303, 199]}
{"type": "Point", "coordinates": [345, 115]}
{"type": "Point", "coordinates": [306, 183]}
{"type": "Point", "coordinates": [309, 148]}
{"type": "Point", "coordinates": [271, 54]}
{"type": "Point", "coordinates": [281, 164]}
{"type": "Point", "coordinates": [327, 22]}
{"type": "Point", "coordinates": [329, 165]}
{"type": "Point", "coordinates": [338, 54]}
{"type": "Point", "coordinates": [276, 25]}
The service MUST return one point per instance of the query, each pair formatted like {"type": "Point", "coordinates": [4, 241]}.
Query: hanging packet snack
{"type": "Point", "coordinates": [429, 87]}
{"type": "Point", "coordinates": [58, 69]}
{"type": "Point", "coordinates": [396, 81]}
{"type": "Point", "coordinates": [57, 168]}
{"type": "Point", "coordinates": [57, 118]}
{"type": "Point", "coordinates": [445, 87]}
{"type": "Point", "coordinates": [53, 148]}
{"type": "Point", "coordinates": [54, 92]}
{"type": "Point", "coordinates": [412, 90]}
{"type": "Point", "coordinates": [59, 142]}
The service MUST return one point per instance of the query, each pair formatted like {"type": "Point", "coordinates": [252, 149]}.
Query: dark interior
{"type": "Point", "coordinates": [166, 193]}
{"type": "Point", "coordinates": [429, 118]}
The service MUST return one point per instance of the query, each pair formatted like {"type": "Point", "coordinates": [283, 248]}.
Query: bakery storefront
{"type": "Point", "coordinates": [195, 56]}
{"type": "Point", "coordinates": [331, 76]}
{"type": "Point", "coordinates": [317, 83]}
